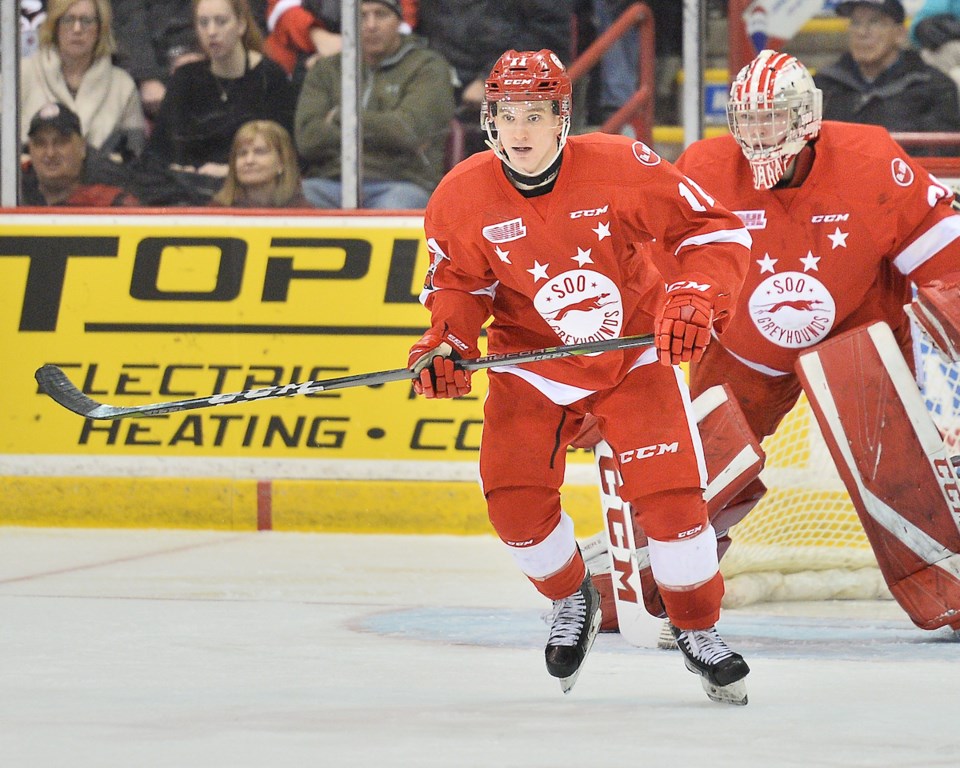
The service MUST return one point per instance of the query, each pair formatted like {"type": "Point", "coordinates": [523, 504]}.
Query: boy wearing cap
{"type": "Point", "coordinates": [54, 174]}
{"type": "Point", "coordinates": [880, 81]}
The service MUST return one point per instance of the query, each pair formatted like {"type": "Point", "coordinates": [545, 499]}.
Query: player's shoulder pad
{"type": "Point", "coordinates": [605, 158]}
{"type": "Point", "coordinates": [868, 153]}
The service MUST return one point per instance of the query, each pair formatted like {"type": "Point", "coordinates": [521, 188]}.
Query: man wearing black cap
{"type": "Point", "coordinates": [55, 173]}
{"type": "Point", "coordinates": [882, 82]}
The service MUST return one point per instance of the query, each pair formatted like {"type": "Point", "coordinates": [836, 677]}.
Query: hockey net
{"type": "Point", "coordinates": [804, 541]}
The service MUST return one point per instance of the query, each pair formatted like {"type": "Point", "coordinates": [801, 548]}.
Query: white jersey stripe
{"type": "Point", "coordinates": [740, 236]}
{"type": "Point", "coordinates": [928, 245]}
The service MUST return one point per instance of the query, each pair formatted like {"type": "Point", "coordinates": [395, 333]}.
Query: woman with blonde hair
{"type": "Point", "coordinates": [207, 101]}
{"type": "Point", "coordinates": [262, 172]}
{"type": "Point", "coordinates": [72, 65]}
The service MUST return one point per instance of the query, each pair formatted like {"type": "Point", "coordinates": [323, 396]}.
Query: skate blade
{"type": "Point", "coordinates": [734, 693]}
{"type": "Point", "coordinates": [567, 683]}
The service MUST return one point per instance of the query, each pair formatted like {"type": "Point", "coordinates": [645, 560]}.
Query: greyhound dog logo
{"type": "Point", "coordinates": [581, 305]}
{"type": "Point", "coordinates": [584, 305]}
{"type": "Point", "coordinates": [793, 309]}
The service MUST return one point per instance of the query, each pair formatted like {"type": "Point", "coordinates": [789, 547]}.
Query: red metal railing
{"type": "Point", "coordinates": [638, 110]}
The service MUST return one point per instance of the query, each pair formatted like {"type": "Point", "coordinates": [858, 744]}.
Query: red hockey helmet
{"type": "Point", "coordinates": [530, 76]}
{"type": "Point", "coordinates": [527, 76]}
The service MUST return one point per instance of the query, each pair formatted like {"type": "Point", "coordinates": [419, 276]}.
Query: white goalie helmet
{"type": "Point", "coordinates": [774, 109]}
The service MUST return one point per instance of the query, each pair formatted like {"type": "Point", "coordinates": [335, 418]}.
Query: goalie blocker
{"type": "Point", "coordinates": [630, 599]}
{"type": "Point", "coordinates": [895, 466]}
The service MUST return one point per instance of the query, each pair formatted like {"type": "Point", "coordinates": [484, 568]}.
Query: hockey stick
{"type": "Point", "coordinates": [54, 382]}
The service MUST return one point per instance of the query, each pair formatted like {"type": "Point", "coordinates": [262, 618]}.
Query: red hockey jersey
{"type": "Point", "coordinates": [586, 261]}
{"type": "Point", "coordinates": [835, 252]}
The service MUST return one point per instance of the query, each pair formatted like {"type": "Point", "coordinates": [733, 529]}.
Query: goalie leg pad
{"type": "Point", "coordinates": [894, 464]}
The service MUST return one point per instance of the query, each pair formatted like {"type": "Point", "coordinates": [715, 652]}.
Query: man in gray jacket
{"type": "Point", "coordinates": [407, 106]}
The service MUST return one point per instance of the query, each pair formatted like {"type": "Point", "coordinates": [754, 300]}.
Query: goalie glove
{"type": "Point", "coordinates": [682, 328]}
{"type": "Point", "coordinates": [434, 359]}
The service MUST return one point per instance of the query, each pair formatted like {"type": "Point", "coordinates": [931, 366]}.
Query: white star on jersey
{"type": "Point", "coordinates": [503, 255]}
{"type": "Point", "coordinates": [838, 238]}
{"type": "Point", "coordinates": [583, 256]}
{"type": "Point", "coordinates": [602, 230]}
{"type": "Point", "coordinates": [539, 271]}
{"type": "Point", "coordinates": [810, 262]}
{"type": "Point", "coordinates": [766, 264]}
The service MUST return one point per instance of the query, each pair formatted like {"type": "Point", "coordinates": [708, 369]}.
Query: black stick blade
{"type": "Point", "coordinates": [54, 382]}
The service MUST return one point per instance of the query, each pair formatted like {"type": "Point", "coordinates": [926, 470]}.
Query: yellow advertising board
{"type": "Point", "coordinates": [145, 308]}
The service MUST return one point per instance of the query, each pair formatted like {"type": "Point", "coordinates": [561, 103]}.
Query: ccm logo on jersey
{"type": "Point", "coordinates": [822, 218]}
{"type": "Point", "coordinates": [657, 449]}
{"type": "Point", "coordinates": [691, 533]}
{"type": "Point", "coordinates": [682, 285]}
{"type": "Point", "coordinates": [589, 212]}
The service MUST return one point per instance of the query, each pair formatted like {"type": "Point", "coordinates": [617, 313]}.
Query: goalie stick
{"type": "Point", "coordinates": [55, 383]}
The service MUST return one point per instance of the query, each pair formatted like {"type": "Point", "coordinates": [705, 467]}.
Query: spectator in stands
{"type": "Point", "coordinates": [301, 31]}
{"type": "Point", "coordinates": [32, 14]}
{"type": "Point", "coordinates": [931, 8]}
{"type": "Point", "coordinates": [263, 169]}
{"type": "Point", "coordinates": [56, 171]}
{"type": "Point", "coordinates": [73, 66]}
{"type": "Point", "coordinates": [408, 105]}
{"type": "Point", "coordinates": [939, 40]}
{"type": "Point", "coordinates": [156, 36]}
{"type": "Point", "coordinates": [878, 81]}
{"type": "Point", "coordinates": [207, 101]}
{"type": "Point", "coordinates": [471, 35]}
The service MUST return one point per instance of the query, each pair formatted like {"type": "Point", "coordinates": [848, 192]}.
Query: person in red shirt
{"type": "Point", "coordinates": [842, 221]}
{"type": "Point", "coordinates": [54, 174]}
{"type": "Point", "coordinates": [568, 239]}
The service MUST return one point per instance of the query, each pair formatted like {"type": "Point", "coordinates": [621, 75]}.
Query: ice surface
{"type": "Point", "coordinates": [194, 648]}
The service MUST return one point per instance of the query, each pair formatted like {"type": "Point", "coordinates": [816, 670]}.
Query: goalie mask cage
{"type": "Point", "coordinates": [804, 541]}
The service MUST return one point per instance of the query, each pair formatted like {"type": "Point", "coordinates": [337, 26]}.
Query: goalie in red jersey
{"type": "Point", "coordinates": [842, 222]}
{"type": "Point", "coordinates": [568, 239]}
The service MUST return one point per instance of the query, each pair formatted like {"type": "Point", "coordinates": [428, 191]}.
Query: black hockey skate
{"type": "Point", "coordinates": [575, 622]}
{"type": "Point", "coordinates": [721, 670]}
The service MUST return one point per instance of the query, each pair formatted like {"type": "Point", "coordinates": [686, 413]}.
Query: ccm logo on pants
{"type": "Point", "coordinates": [658, 449]}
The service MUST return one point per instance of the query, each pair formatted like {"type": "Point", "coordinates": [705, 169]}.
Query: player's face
{"type": "Point", "coordinates": [258, 163]}
{"type": "Point", "coordinates": [529, 132]}
{"type": "Point", "coordinates": [762, 129]}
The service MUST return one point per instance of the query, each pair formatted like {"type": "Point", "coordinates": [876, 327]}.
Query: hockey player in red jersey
{"type": "Point", "coordinates": [565, 239]}
{"type": "Point", "coordinates": [842, 221]}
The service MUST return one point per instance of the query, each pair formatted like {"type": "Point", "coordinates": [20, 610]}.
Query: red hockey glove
{"type": "Point", "coordinates": [682, 327]}
{"type": "Point", "coordinates": [434, 360]}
